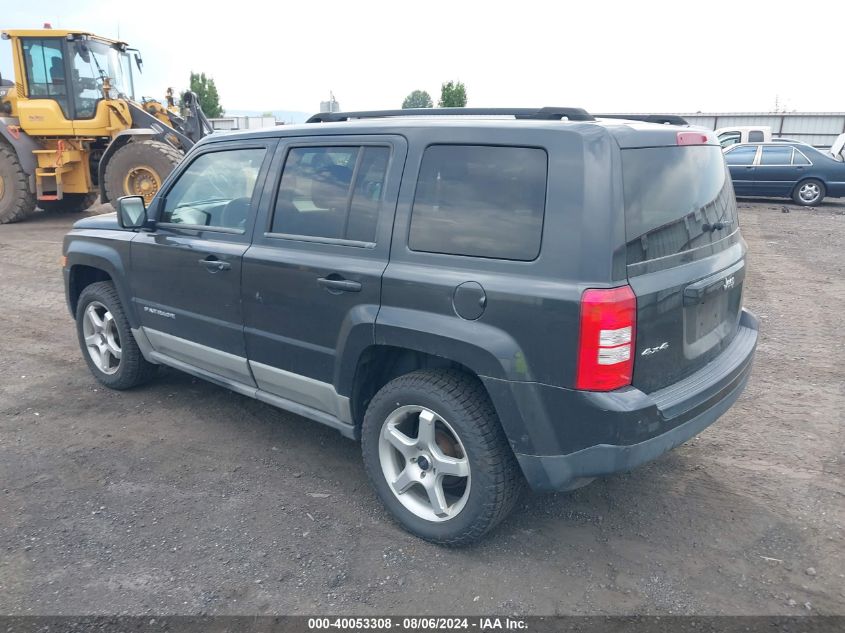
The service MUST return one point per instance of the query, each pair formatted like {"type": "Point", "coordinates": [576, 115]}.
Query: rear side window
{"type": "Point", "coordinates": [673, 198]}
{"type": "Point", "coordinates": [755, 136]}
{"type": "Point", "coordinates": [799, 159]}
{"type": "Point", "coordinates": [332, 192]}
{"type": "Point", "coordinates": [776, 156]}
{"type": "Point", "coordinates": [741, 155]}
{"type": "Point", "coordinates": [480, 201]}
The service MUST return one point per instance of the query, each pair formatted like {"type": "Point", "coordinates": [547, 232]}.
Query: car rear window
{"type": "Point", "coordinates": [673, 198]}
{"type": "Point", "coordinates": [480, 201]}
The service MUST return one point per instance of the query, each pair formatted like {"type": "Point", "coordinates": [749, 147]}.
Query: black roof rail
{"type": "Point", "coordinates": [544, 114]}
{"type": "Point", "coordinates": [665, 119]}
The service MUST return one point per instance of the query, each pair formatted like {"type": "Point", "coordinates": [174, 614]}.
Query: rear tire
{"type": "Point", "coordinates": [16, 200]}
{"type": "Point", "coordinates": [414, 471]}
{"type": "Point", "coordinates": [809, 192]}
{"type": "Point", "coordinates": [106, 340]}
{"type": "Point", "coordinates": [139, 169]}
{"type": "Point", "coordinates": [70, 203]}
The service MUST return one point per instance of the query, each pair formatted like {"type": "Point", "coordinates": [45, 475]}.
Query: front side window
{"type": "Point", "coordinates": [215, 190]}
{"type": "Point", "coordinates": [480, 201]}
{"type": "Point", "coordinates": [45, 70]}
{"type": "Point", "coordinates": [332, 192]}
{"type": "Point", "coordinates": [741, 155]}
{"type": "Point", "coordinates": [776, 156]}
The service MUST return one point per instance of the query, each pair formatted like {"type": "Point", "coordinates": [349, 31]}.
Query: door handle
{"type": "Point", "coordinates": [213, 265]}
{"type": "Point", "coordinates": [338, 284]}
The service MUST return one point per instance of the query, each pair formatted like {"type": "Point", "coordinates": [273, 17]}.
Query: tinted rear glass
{"type": "Point", "coordinates": [673, 198]}
{"type": "Point", "coordinates": [776, 155]}
{"type": "Point", "coordinates": [480, 201]}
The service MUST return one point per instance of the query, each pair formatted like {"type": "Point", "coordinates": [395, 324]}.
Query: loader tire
{"type": "Point", "coordinates": [139, 168]}
{"type": "Point", "coordinates": [16, 200]}
{"type": "Point", "coordinates": [70, 203]}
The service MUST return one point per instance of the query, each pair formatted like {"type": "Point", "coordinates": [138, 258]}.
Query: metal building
{"type": "Point", "coordinates": [816, 128]}
{"type": "Point", "coordinates": [230, 123]}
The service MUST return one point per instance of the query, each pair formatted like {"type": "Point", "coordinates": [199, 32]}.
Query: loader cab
{"type": "Point", "coordinates": [65, 78]}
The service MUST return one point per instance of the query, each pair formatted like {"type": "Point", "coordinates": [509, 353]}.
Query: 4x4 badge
{"type": "Point", "coordinates": [653, 350]}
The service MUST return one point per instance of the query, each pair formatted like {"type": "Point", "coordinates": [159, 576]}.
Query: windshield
{"type": "Point", "coordinates": [92, 62]}
{"type": "Point", "coordinates": [676, 199]}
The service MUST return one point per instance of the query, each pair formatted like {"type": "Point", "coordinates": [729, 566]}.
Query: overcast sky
{"type": "Point", "coordinates": [645, 56]}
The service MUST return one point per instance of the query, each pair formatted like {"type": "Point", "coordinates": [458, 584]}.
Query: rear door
{"type": "Point", "coordinates": [312, 278]}
{"type": "Point", "coordinates": [741, 163]}
{"type": "Point", "coordinates": [686, 259]}
{"type": "Point", "coordinates": [775, 174]}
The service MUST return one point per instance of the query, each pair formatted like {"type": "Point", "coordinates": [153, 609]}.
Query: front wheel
{"type": "Point", "coordinates": [809, 193]}
{"type": "Point", "coordinates": [438, 458]}
{"type": "Point", "coordinates": [106, 339]}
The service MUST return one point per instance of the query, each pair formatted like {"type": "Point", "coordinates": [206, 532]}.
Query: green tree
{"type": "Point", "coordinates": [418, 99]}
{"type": "Point", "coordinates": [207, 95]}
{"type": "Point", "coordinates": [453, 94]}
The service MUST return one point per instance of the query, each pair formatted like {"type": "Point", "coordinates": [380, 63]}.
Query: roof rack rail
{"type": "Point", "coordinates": [665, 119]}
{"type": "Point", "coordinates": [543, 114]}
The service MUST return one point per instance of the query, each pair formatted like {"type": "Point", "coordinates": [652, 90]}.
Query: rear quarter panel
{"type": "Point", "coordinates": [528, 330]}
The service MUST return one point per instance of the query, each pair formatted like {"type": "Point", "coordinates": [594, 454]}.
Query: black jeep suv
{"type": "Point", "coordinates": [482, 297]}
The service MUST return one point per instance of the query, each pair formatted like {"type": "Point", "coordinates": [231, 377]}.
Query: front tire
{"type": "Point", "coordinates": [139, 169]}
{"type": "Point", "coordinates": [16, 200]}
{"type": "Point", "coordinates": [106, 339]}
{"type": "Point", "coordinates": [70, 203]}
{"type": "Point", "coordinates": [809, 193]}
{"type": "Point", "coordinates": [438, 458]}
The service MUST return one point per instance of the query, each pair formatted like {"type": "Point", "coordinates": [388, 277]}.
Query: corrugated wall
{"type": "Point", "coordinates": [816, 128]}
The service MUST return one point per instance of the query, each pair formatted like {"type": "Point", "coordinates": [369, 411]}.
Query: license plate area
{"type": "Point", "coordinates": [709, 323]}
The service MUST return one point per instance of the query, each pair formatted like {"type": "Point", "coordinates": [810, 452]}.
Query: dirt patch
{"type": "Point", "coordinates": [182, 497]}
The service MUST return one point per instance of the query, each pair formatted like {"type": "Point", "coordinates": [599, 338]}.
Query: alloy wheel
{"type": "Point", "coordinates": [809, 192]}
{"type": "Point", "coordinates": [424, 463]}
{"type": "Point", "coordinates": [102, 339]}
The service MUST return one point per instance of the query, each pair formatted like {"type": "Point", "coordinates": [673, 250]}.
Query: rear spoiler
{"type": "Point", "coordinates": [663, 119]}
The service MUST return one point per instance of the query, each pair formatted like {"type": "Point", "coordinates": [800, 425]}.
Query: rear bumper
{"type": "Point", "coordinates": [576, 435]}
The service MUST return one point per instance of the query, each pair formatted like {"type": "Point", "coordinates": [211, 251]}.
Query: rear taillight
{"type": "Point", "coordinates": [606, 343]}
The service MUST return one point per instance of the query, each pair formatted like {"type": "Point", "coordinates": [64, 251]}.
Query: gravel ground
{"type": "Point", "coordinates": [181, 497]}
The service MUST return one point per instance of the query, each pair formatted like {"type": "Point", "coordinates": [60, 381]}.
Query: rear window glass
{"type": "Point", "coordinates": [776, 155]}
{"type": "Point", "coordinates": [675, 197]}
{"type": "Point", "coordinates": [480, 201]}
{"type": "Point", "coordinates": [332, 192]}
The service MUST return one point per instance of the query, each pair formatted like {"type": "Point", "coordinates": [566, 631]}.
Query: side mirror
{"type": "Point", "coordinates": [131, 212]}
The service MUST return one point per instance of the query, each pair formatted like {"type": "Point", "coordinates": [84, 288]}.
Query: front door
{"type": "Point", "coordinates": [312, 278]}
{"type": "Point", "coordinates": [186, 274]}
{"type": "Point", "coordinates": [775, 174]}
{"type": "Point", "coordinates": [740, 162]}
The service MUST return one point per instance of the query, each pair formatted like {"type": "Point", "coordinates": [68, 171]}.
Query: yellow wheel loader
{"type": "Point", "coordinates": [71, 129]}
